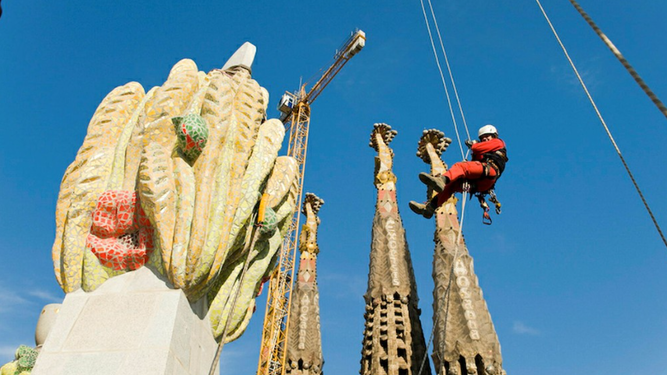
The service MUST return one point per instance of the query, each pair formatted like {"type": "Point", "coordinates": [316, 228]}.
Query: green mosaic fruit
{"type": "Point", "coordinates": [22, 351]}
{"type": "Point", "coordinates": [26, 357]}
{"type": "Point", "coordinates": [27, 362]}
{"type": "Point", "coordinates": [268, 226]}
{"type": "Point", "coordinates": [192, 134]}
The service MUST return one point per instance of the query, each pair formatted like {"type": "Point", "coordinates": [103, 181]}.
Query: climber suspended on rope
{"type": "Point", "coordinates": [478, 176]}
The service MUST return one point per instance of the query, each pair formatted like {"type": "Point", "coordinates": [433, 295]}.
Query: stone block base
{"type": "Point", "coordinates": [132, 324]}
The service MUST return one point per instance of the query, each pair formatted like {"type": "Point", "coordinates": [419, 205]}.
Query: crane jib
{"type": "Point", "coordinates": [294, 108]}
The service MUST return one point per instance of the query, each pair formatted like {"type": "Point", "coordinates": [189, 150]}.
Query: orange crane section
{"type": "Point", "coordinates": [295, 108]}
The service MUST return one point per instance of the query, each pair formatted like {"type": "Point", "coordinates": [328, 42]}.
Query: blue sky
{"type": "Point", "coordinates": [573, 271]}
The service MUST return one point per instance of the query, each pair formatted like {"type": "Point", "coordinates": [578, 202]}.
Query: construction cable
{"type": "Point", "coordinates": [248, 249]}
{"type": "Point", "coordinates": [604, 124]}
{"type": "Point", "coordinates": [448, 290]}
{"type": "Point", "coordinates": [619, 56]}
{"type": "Point", "coordinates": [449, 70]}
{"type": "Point", "coordinates": [442, 77]}
{"type": "Point", "coordinates": [463, 156]}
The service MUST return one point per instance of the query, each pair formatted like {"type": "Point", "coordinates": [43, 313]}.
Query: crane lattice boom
{"type": "Point", "coordinates": [276, 319]}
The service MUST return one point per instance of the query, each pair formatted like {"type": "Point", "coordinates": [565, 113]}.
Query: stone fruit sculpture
{"type": "Point", "coordinates": [170, 179]}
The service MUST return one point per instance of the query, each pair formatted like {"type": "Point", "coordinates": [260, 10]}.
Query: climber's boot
{"type": "Point", "coordinates": [437, 183]}
{"type": "Point", "coordinates": [423, 209]}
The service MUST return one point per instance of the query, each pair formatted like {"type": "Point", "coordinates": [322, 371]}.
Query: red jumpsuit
{"type": "Point", "coordinates": [472, 171]}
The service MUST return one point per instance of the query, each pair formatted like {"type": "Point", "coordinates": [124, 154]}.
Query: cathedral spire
{"type": "Point", "coordinates": [464, 339]}
{"type": "Point", "coordinates": [393, 342]}
{"type": "Point", "coordinates": [304, 344]}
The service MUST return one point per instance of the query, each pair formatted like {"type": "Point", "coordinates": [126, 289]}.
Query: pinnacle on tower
{"type": "Point", "coordinates": [464, 338]}
{"type": "Point", "coordinates": [393, 342]}
{"type": "Point", "coordinates": [304, 344]}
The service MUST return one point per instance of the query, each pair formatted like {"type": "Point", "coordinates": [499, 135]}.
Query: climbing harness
{"type": "Point", "coordinates": [467, 187]}
{"type": "Point", "coordinates": [481, 196]}
{"type": "Point", "coordinates": [497, 160]}
{"type": "Point", "coordinates": [604, 124]}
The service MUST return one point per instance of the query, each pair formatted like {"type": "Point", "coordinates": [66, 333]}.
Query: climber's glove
{"type": "Point", "coordinates": [469, 143]}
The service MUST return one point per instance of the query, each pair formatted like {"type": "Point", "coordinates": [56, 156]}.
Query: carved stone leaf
{"type": "Point", "coordinates": [185, 204]}
{"type": "Point", "coordinates": [86, 179]}
{"type": "Point", "coordinates": [154, 125]}
{"type": "Point", "coordinates": [268, 143]}
{"type": "Point", "coordinates": [216, 111]}
{"type": "Point", "coordinates": [279, 183]}
{"type": "Point", "coordinates": [220, 310]}
{"type": "Point", "coordinates": [247, 114]}
{"type": "Point", "coordinates": [118, 170]}
{"type": "Point", "coordinates": [157, 188]}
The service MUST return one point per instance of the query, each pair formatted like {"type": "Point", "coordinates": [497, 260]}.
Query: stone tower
{"type": "Point", "coordinates": [465, 340]}
{"type": "Point", "coordinates": [393, 342]}
{"type": "Point", "coordinates": [304, 344]}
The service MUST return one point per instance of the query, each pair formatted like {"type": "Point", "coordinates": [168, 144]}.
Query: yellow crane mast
{"type": "Point", "coordinates": [295, 108]}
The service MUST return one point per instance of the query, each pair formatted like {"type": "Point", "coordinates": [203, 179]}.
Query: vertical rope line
{"type": "Point", "coordinates": [248, 247]}
{"type": "Point", "coordinates": [604, 124]}
{"type": "Point", "coordinates": [449, 288]}
{"type": "Point", "coordinates": [449, 70]}
{"type": "Point", "coordinates": [442, 77]}
{"type": "Point", "coordinates": [619, 56]}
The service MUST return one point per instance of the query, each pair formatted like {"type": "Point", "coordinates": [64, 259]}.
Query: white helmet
{"type": "Point", "coordinates": [487, 129]}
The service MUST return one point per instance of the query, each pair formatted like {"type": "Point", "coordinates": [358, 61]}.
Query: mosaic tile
{"type": "Point", "coordinates": [185, 191]}
{"type": "Point", "coordinates": [121, 235]}
{"type": "Point", "coordinates": [284, 172]}
{"type": "Point", "coordinates": [192, 134]}
{"type": "Point", "coordinates": [216, 111]}
{"type": "Point", "coordinates": [86, 180]}
{"type": "Point", "coordinates": [177, 195]}
{"type": "Point", "coordinates": [118, 170]}
{"type": "Point", "coordinates": [247, 114]}
{"type": "Point", "coordinates": [268, 143]}
{"type": "Point", "coordinates": [157, 189]}
{"type": "Point", "coordinates": [220, 309]}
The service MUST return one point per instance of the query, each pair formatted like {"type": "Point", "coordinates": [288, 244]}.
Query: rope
{"type": "Point", "coordinates": [442, 77]}
{"type": "Point", "coordinates": [449, 288]}
{"type": "Point", "coordinates": [464, 155]}
{"type": "Point", "coordinates": [619, 56]}
{"type": "Point", "coordinates": [449, 69]}
{"type": "Point", "coordinates": [604, 124]}
{"type": "Point", "coordinates": [248, 249]}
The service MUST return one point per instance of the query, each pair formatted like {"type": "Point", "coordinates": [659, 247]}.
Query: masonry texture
{"type": "Point", "coordinates": [393, 342]}
{"type": "Point", "coordinates": [132, 324]}
{"type": "Point", "coordinates": [304, 344]}
{"type": "Point", "coordinates": [464, 338]}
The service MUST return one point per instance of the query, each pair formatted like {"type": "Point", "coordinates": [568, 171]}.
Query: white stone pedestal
{"type": "Point", "coordinates": [132, 324]}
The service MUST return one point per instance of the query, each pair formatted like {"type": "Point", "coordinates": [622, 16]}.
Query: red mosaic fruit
{"type": "Point", "coordinates": [121, 235]}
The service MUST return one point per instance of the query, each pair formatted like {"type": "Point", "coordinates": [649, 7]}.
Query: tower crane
{"type": "Point", "coordinates": [295, 110]}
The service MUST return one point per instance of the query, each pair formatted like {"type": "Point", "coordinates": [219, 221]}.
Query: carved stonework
{"type": "Point", "coordinates": [464, 340]}
{"type": "Point", "coordinates": [304, 344]}
{"type": "Point", "coordinates": [393, 342]}
{"type": "Point", "coordinates": [170, 179]}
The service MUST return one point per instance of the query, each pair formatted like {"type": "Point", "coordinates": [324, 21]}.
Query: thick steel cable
{"type": "Point", "coordinates": [619, 56]}
{"type": "Point", "coordinates": [449, 69]}
{"type": "Point", "coordinates": [604, 124]}
{"type": "Point", "coordinates": [442, 77]}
